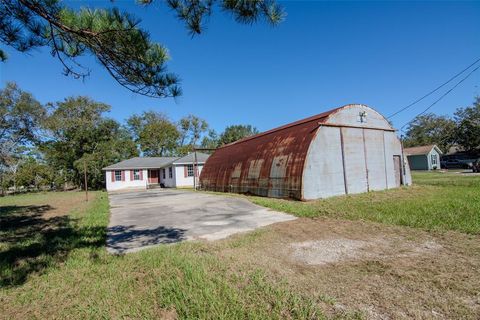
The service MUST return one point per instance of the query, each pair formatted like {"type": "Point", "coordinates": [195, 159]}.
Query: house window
{"type": "Point", "coordinates": [190, 170]}
{"type": "Point", "coordinates": [170, 172]}
{"type": "Point", "coordinates": [118, 175]}
{"type": "Point", "coordinates": [434, 159]}
{"type": "Point", "coordinates": [136, 174]}
{"type": "Point", "coordinates": [163, 173]}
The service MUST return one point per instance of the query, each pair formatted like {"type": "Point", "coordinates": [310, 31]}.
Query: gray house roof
{"type": "Point", "coordinates": [156, 162]}
{"type": "Point", "coordinates": [141, 163]}
{"type": "Point", "coordinates": [190, 158]}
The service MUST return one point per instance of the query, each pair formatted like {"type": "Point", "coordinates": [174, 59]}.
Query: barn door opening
{"type": "Point", "coordinates": [397, 165]}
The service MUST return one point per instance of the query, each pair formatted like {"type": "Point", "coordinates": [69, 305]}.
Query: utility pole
{"type": "Point", "coordinates": [196, 163]}
{"type": "Point", "coordinates": [195, 170]}
{"type": "Point", "coordinates": [85, 176]}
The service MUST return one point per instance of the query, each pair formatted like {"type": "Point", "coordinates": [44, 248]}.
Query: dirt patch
{"type": "Point", "coordinates": [320, 252]}
{"type": "Point", "coordinates": [61, 206]}
{"type": "Point", "coordinates": [326, 251]}
{"type": "Point", "coordinates": [379, 271]}
{"type": "Point", "coordinates": [45, 205]}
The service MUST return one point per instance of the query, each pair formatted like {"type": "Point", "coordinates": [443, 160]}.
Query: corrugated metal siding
{"type": "Point", "coordinates": [375, 151]}
{"type": "Point", "coordinates": [392, 148]}
{"type": "Point", "coordinates": [268, 164]}
{"type": "Point", "coordinates": [355, 168]}
{"type": "Point", "coordinates": [323, 174]}
{"type": "Point", "coordinates": [333, 153]}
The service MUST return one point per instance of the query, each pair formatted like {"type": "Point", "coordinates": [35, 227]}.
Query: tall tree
{"type": "Point", "coordinates": [236, 132]}
{"type": "Point", "coordinates": [431, 129]}
{"type": "Point", "coordinates": [80, 134]}
{"type": "Point", "coordinates": [113, 37]}
{"type": "Point", "coordinates": [467, 132]}
{"type": "Point", "coordinates": [35, 173]}
{"type": "Point", "coordinates": [154, 133]}
{"type": "Point", "coordinates": [191, 130]}
{"type": "Point", "coordinates": [211, 140]}
{"type": "Point", "coordinates": [20, 119]}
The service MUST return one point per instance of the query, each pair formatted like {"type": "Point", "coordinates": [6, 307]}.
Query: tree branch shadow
{"type": "Point", "coordinates": [31, 243]}
{"type": "Point", "coordinates": [122, 239]}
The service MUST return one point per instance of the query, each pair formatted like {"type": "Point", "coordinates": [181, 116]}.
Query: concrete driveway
{"type": "Point", "coordinates": [145, 218]}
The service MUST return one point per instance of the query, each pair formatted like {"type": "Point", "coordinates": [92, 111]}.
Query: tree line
{"type": "Point", "coordinates": [49, 146]}
{"type": "Point", "coordinates": [462, 129]}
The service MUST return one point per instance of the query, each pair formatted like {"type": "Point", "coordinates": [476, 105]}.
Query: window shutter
{"type": "Point", "coordinates": [123, 175]}
{"type": "Point", "coordinates": [113, 175]}
{"type": "Point", "coordinates": [185, 171]}
{"type": "Point", "coordinates": [141, 174]}
{"type": "Point", "coordinates": [131, 175]}
{"type": "Point", "coordinates": [196, 171]}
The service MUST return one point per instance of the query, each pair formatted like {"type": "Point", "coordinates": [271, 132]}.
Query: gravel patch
{"type": "Point", "coordinates": [320, 252]}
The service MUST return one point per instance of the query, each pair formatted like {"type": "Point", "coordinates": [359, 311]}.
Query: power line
{"type": "Point", "coordinates": [435, 90]}
{"type": "Point", "coordinates": [442, 96]}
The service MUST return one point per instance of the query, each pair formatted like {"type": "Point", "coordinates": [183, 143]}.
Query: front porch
{"type": "Point", "coordinates": [153, 178]}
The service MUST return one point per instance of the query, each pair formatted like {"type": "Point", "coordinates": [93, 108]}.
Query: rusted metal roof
{"type": "Point", "coordinates": [245, 166]}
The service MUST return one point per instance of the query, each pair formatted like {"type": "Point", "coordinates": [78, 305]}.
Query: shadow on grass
{"type": "Point", "coordinates": [31, 243]}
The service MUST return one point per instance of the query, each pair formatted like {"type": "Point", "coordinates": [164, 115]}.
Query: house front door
{"type": "Point", "coordinates": [153, 176]}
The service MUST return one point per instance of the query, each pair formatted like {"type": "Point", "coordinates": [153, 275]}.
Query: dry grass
{"type": "Point", "coordinates": [396, 272]}
{"type": "Point", "coordinates": [398, 254]}
{"type": "Point", "coordinates": [437, 202]}
{"type": "Point", "coordinates": [49, 204]}
{"type": "Point", "coordinates": [57, 267]}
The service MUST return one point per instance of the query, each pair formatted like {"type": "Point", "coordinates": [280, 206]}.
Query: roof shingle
{"type": "Point", "coordinates": [156, 162]}
{"type": "Point", "coordinates": [415, 151]}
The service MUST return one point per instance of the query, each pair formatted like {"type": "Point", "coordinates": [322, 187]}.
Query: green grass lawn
{"type": "Point", "coordinates": [53, 262]}
{"type": "Point", "coordinates": [436, 201]}
{"type": "Point", "coordinates": [58, 267]}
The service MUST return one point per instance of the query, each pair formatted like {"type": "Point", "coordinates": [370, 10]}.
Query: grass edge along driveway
{"type": "Point", "coordinates": [77, 278]}
{"type": "Point", "coordinates": [437, 201]}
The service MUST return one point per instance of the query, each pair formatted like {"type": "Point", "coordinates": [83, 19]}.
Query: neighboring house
{"type": "Point", "coordinates": [146, 172]}
{"type": "Point", "coordinates": [458, 153]}
{"type": "Point", "coordinates": [347, 150]}
{"type": "Point", "coordinates": [424, 157]}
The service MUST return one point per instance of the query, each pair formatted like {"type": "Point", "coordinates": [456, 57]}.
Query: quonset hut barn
{"type": "Point", "coordinates": [351, 149]}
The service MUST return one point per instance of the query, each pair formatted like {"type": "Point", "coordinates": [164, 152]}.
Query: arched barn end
{"type": "Point", "coordinates": [347, 150]}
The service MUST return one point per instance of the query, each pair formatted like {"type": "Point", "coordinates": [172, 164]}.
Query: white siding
{"type": "Point", "coordinates": [181, 180]}
{"type": "Point", "coordinates": [178, 179]}
{"type": "Point", "coordinates": [375, 154]}
{"type": "Point", "coordinates": [168, 182]}
{"type": "Point", "coordinates": [323, 171]}
{"type": "Point", "coordinates": [350, 116]}
{"type": "Point", "coordinates": [363, 148]}
{"type": "Point", "coordinates": [127, 184]}
{"type": "Point", "coordinates": [355, 167]}
{"type": "Point", "coordinates": [393, 147]}
{"type": "Point", "coordinates": [433, 152]}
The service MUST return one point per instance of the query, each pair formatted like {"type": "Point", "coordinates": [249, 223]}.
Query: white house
{"type": "Point", "coordinates": [147, 172]}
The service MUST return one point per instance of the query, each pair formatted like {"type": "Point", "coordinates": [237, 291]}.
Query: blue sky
{"type": "Point", "coordinates": [324, 55]}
